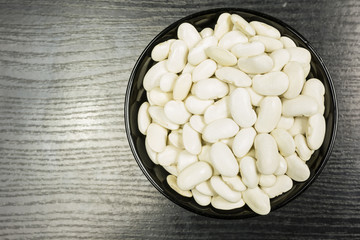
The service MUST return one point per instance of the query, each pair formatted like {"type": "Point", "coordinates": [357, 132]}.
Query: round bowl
{"type": "Point", "coordinates": [136, 95]}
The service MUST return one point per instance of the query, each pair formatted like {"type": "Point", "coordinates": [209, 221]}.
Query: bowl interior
{"type": "Point", "coordinates": [136, 95]}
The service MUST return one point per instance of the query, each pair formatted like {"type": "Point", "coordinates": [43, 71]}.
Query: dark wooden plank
{"type": "Point", "coordinates": [66, 170]}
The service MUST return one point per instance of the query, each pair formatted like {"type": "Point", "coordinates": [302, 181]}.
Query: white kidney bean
{"type": "Point", "coordinates": [220, 203]}
{"type": "Point", "coordinates": [168, 156]}
{"type": "Point", "coordinates": [242, 25]}
{"type": "Point", "coordinates": [158, 116]}
{"type": "Point", "coordinates": [266, 153]}
{"type": "Point", "coordinates": [158, 97]}
{"type": "Point", "coordinates": [296, 76]}
{"type": "Point", "coordinates": [299, 54]}
{"type": "Point", "coordinates": [220, 109]}
{"type": "Point", "coordinates": [267, 180]}
{"type": "Point", "coordinates": [297, 168]}
{"type": "Point", "coordinates": [234, 183]}
{"type": "Point", "coordinates": [282, 184]}
{"type": "Point", "coordinates": [241, 109]}
{"type": "Point", "coordinates": [223, 160]}
{"type": "Point", "coordinates": [248, 172]}
{"type": "Point", "coordinates": [177, 56]}
{"type": "Point", "coordinates": [221, 56]}
{"type": "Point", "coordinates": [201, 199]}
{"type": "Point", "coordinates": [167, 82]}
{"type": "Point", "coordinates": [194, 174]}
{"type": "Point", "coordinates": [243, 141]}
{"type": "Point", "coordinates": [284, 140]}
{"type": "Point", "coordinates": [265, 29]}
{"type": "Point", "coordinates": [185, 159]}
{"type": "Point", "coordinates": [207, 32]}
{"type": "Point", "coordinates": [205, 154]}
{"type": "Point", "coordinates": [153, 75]}
{"type": "Point", "coordinates": [197, 54]}
{"type": "Point", "coordinates": [256, 64]}
{"type": "Point", "coordinates": [257, 200]}
{"type": "Point", "coordinates": [182, 86]}
{"type": "Point", "coordinates": [197, 106]}
{"type": "Point", "coordinates": [302, 149]}
{"type": "Point", "coordinates": [315, 88]}
{"type": "Point", "coordinates": [151, 153]}
{"type": "Point", "coordinates": [204, 70]}
{"type": "Point", "coordinates": [271, 84]}
{"type": "Point", "coordinates": [191, 140]}
{"type": "Point", "coordinates": [156, 136]}
{"type": "Point", "coordinates": [161, 51]}
{"type": "Point", "coordinates": [188, 33]}
{"type": "Point", "coordinates": [144, 119]}
{"type": "Point", "coordinates": [315, 132]}
{"type": "Point", "coordinates": [233, 76]}
{"type": "Point", "coordinates": [172, 169]}
{"type": "Point", "coordinates": [254, 96]}
{"type": "Point", "coordinates": [189, 68]}
{"type": "Point", "coordinates": [269, 114]}
{"type": "Point", "coordinates": [205, 188]}
{"type": "Point", "coordinates": [281, 170]}
{"type": "Point", "coordinates": [301, 105]}
{"type": "Point", "coordinates": [176, 112]}
{"type": "Point", "coordinates": [228, 128]}
{"type": "Point", "coordinates": [287, 42]}
{"type": "Point", "coordinates": [223, 190]}
{"type": "Point", "coordinates": [231, 38]}
{"type": "Point", "coordinates": [285, 122]}
{"type": "Point", "coordinates": [248, 49]}
{"type": "Point", "coordinates": [197, 123]}
{"type": "Point", "coordinates": [172, 181]}
{"type": "Point", "coordinates": [271, 44]}
{"type": "Point", "coordinates": [175, 139]}
{"type": "Point", "coordinates": [280, 57]}
{"type": "Point", "coordinates": [223, 25]}
{"type": "Point", "coordinates": [299, 126]}
{"type": "Point", "coordinates": [210, 88]}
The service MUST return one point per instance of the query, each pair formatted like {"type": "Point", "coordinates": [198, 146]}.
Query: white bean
{"type": "Point", "coordinates": [191, 140]}
{"type": "Point", "coordinates": [280, 57]}
{"type": "Point", "coordinates": [269, 114]}
{"type": "Point", "coordinates": [175, 139]}
{"type": "Point", "coordinates": [167, 82]}
{"type": "Point", "coordinates": [296, 76]}
{"type": "Point", "coordinates": [221, 56]}
{"type": "Point", "coordinates": [254, 96]}
{"type": "Point", "coordinates": [201, 199]}
{"type": "Point", "coordinates": [299, 126]}
{"type": "Point", "coordinates": [210, 88]}
{"type": "Point", "coordinates": [204, 70]}
{"type": "Point", "coordinates": [158, 116]}
{"type": "Point", "coordinates": [299, 54]}
{"type": "Point", "coordinates": [297, 168]}
{"type": "Point", "coordinates": [158, 97]}
{"type": "Point", "coordinates": [223, 25]}
{"type": "Point", "coordinates": [256, 64]}
{"type": "Point", "coordinates": [257, 200]}
{"type": "Point", "coordinates": [206, 32]}
{"type": "Point", "coordinates": [242, 25]}
{"type": "Point", "coordinates": [197, 54]}
{"type": "Point", "coordinates": [241, 109]}
{"type": "Point", "coordinates": [285, 122]}
{"type": "Point", "coordinates": [287, 42]}
{"type": "Point", "coordinates": [315, 88]}
{"type": "Point", "coordinates": [194, 174]}
{"type": "Point", "coordinates": [151, 153]}
{"type": "Point", "coordinates": [172, 181]}
{"type": "Point", "coordinates": [265, 29]}
{"type": "Point", "coordinates": [185, 159]}
{"type": "Point", "coordinates": [248, 172]}
{"type": "Point", "coordinates": [301, 105]}
{"type": "Point", "coordinates": [243, 141]}
{"type": "Point", "coordinates": [284, 140]}
{"type": "Point", "coordinates": [189, 68]}
{"type": "Point", "coordinates": [315, 132]}
{"type": "Point", "coordinates": [156, 137]}
{"type": "Point", "coordinates": [281, 170]}
{"type": "Point", "coordinates": [220, 109]}
{"type": "Point", "coordinates": [144, 119]}
{"type": "Point", "coordinates": [168, 156]}
{"type": "Point", "coordinates": [171, 169]}
{"type": "Point", "coordinates": [223, 160]}
{"type": "Point", "coordinates": [197, 123]}
{"type": "Point", "coordinates": [267, 180]}
{"type": "Point", "coordinates": [153, 75]}
{"type": "Point", "coordinates": [266, 153]}
{"type": "Point", "coordinates": [248, 49]}
{"type": "Point", "coordinates": [176, 112]}
{"type": "Point", "coordinates": [233, 76]}
{"type": "Point", "coordinates": [220, 129]}
{"type": "Point", "coordinates": [283, 184]}
{"type": "Point", "coordinates": [188, 34]}
{"type": "Point", "coordinates": [177, 56]}
{"type": "Point", "coordinates": [301, 147]}
{"type": "Point", "coordinates": [220, 203]}
{"type": "Point", "coordinates": [271, 44]}
{"type": "Point", "coordinates": [182, 86]}
{"type": "Point", "coordinates": [271, 84]}
{"type": "Point", "coordinates": [223, 190]}
{"type": "Point", "coordinates": [161, 51]}
{"type": "Point", "coordinates": [205, 188]}
{"type": "Point", "coordinates": [234, 182]}
{"type": "Point", "coordinates": [197, 106]}
{"type": "Point", "coordinates": [231, 38]}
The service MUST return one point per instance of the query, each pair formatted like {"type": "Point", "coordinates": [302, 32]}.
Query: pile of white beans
{"type": "Point", "coordinates": [230, 114]}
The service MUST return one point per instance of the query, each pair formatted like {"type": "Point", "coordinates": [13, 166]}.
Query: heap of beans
{"type": "Point", "coordinates": [230, 114]}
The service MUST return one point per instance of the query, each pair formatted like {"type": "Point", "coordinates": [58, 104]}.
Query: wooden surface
{"type": "Point", "coordinates": [66, 170]}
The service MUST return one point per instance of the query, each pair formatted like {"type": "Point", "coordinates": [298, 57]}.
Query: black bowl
{"type": "Point", "coordinates": [136, 95]}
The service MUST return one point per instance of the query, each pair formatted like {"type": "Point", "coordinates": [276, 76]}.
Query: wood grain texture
{"type": "Point", "coordinates": [66, 171]}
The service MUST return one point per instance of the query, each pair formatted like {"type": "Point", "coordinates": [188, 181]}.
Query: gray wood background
{"type": "Point", "coordinates": [66, 171]}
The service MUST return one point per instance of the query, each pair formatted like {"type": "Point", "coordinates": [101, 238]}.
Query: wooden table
{"type": "Point", "coordinates": [66, 170]}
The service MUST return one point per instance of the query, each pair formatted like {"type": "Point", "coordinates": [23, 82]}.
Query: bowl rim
{"type": "Point", "coordinates": [263, 15]}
